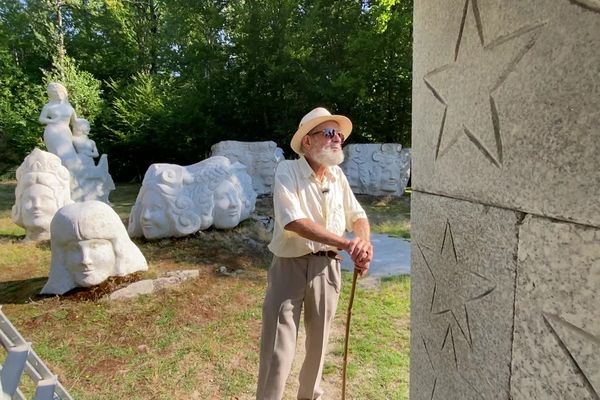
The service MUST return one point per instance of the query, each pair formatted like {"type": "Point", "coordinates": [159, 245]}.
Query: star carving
{"type": "Point", "coordinates": [454, 288]}
{"type": "Point", "coordinates": [466, 85]}
{"type": "Point", "coordinates": [582, 347]}
{"type": "Point", "coordinates": [446, 376]}
{"type": "Point", "coordinates": [591, 5]}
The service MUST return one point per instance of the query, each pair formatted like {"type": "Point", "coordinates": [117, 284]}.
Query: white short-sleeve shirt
{"type": "Point", "coordinates": [297, 194]}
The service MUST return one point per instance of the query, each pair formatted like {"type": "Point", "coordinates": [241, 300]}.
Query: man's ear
{"type": "Point", "coordinates": [306, 142]}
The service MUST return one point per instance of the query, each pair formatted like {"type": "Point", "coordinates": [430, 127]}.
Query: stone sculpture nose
{"type": "Point", "coordinates": [86, 260]}
{"type": "Point", "coordinates": [146, 214]}
{"type": "Point", "coordinates": [36, 202]}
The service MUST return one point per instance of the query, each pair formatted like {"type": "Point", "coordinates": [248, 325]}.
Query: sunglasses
{"type": "Point", "coordinates": [329, 133]}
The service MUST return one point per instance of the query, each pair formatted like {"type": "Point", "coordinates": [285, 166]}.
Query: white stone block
{"type": "Point", "coordinates": [261, 159]}
{"type": "Point", "coordinates": [179, 200]}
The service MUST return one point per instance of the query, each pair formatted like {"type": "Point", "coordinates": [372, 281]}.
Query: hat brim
{"type": "Point", "coordinates": [345, 127]}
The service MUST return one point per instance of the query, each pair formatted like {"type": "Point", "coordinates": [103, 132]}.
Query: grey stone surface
{"type": "Point", "coordinates": [505, 104]}
{"type": "Point", "coordinates": [138, 288]}
{"type": "Point", "coordinates": [556, 353]}
{"type": "Point", "coordinates": [149, 286]}
{"type": "Point", "coordinates": [463, 278]}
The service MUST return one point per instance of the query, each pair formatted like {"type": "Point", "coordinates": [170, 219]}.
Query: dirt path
{"type": "Point", "coordinates": [332, 382]}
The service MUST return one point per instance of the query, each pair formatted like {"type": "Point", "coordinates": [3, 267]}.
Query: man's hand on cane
{"type": "Point", "coordinates": [361, 252]}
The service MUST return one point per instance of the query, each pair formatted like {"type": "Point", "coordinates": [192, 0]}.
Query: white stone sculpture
{"type": "Point", "coordinates": [179, 200]}
{"type": "Point", "coordinates": [261, 159]}
{"type": "Point", "coordinates": [89, 181]}
{"type": "Point", "coordinates": [377, 169]}
{"type": "Point", "coordinates": [43, 186]}
{"type": "Point", "coordinates": [89, 244]}
{"type": "Point", "coordinates": [84, 146]}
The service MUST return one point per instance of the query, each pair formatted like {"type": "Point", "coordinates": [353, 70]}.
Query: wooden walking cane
{"type": "Point", "coordinates": [348, 316]}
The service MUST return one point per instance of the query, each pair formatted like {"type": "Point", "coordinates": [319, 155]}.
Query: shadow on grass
{"type": "Point", "coordinates": [21, 292]}
{"type": "Point", "coordinates": [28, 290]}
{"type": "Point", "coordinates": [7, 237]}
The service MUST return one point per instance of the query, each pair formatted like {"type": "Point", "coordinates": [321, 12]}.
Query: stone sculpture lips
{"type": "Point", "coordinates": [234, 212]}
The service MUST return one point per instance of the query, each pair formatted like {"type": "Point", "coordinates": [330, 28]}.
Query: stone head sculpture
{"type": "Point", "coordinates": [89, 243]}
{"type": "Point", "coordinates": [43, 186]}
{"type": "Point", "coordinates": [178, 201]}
{"type": "Point", "coordinates": [57, 92]}
{"type": "Point", "coordinates": [388, 160]}
{"type": "Point", "coordinates": [260, 159]}
{"type": "Point", "coordinates": [163, 207]}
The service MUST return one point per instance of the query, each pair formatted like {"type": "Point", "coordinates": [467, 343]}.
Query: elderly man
{"type": "Point", "coordinates": [313, 206]}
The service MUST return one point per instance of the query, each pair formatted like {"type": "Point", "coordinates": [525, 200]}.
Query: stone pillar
{"type": "Point", "coordinates": [506, 200]}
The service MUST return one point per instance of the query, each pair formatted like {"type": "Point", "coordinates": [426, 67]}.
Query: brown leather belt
{"type": "Point", "coordinates": [329, 253]}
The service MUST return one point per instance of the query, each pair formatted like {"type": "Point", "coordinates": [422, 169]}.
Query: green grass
{"type": "Point", "coordinates": [199, 340]}
{"type": "Point", "coordinates": [388, 215]}
{"type": "Point", "coordinates": [379, 339]}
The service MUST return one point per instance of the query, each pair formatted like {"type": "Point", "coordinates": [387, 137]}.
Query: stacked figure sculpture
{"type": "Point", "coordinates": [179, 200]}
{"type": "Point", "coordinates": [66, 136]}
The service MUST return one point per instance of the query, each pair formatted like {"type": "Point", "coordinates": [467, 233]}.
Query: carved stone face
{"type": "Point", "coordinates": [265, 171]}
{"type": "Point", "coordinates": [389, 181]}
{"type": "Point", "coordinates": [38, 207]}
{"type": "Point", "coordinates": [89, 262]}
{"type": "Point", "coordinates": [154, 216]}
{"type": "Point", "coordinates": [228, 206]}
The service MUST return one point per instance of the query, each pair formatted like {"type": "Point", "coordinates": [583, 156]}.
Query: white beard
{"type": "Point", "coordinates": [327, 157]}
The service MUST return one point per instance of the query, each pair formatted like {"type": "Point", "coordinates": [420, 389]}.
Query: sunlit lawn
{"type": "Point", "coordinates": [200, 340]}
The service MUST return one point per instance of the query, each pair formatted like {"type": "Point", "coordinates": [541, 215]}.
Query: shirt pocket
{"type": "Point", "coordinates": [337, 220]}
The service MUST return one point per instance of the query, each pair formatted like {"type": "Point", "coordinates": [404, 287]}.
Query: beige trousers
{"type": "Point", "coordinates": [312, 281]}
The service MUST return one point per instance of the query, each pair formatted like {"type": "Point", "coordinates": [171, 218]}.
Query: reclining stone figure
{"type": "Point", "coordinates": [179, 200]}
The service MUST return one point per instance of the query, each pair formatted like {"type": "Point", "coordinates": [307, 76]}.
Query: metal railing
{"type": "Point", "coordinates": [21, 358]}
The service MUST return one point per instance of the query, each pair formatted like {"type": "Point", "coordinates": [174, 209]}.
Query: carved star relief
{"type": "Point", "coordinates": [466, 85]}
{"type": "Point", "coordinates": [446, 378]}
{"type": "Point", "coordinates": [591, 5]}
{"type": "Point", "coordinates": [583, 348]}
{"type": "Point", "coordinates": [454, 287]}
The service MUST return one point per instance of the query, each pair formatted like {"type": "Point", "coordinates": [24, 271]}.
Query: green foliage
{"type": "Point", "coordinates": [139, 124]}
{"type": "Point", "coordinates": [151, 71]}
{"type": "Point", "coordinates": [19, 129]}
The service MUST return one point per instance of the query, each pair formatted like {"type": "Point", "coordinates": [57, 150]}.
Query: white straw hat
{"type": "Point", "coordinates": [314, 118]}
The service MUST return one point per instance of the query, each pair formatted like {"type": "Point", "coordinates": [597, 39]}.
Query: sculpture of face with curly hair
{"type": "Point", "coordinates": [155, 215]}
{"type": "Point", "coordinates": [227, 209]}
